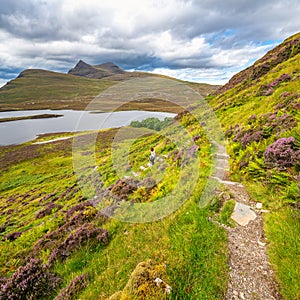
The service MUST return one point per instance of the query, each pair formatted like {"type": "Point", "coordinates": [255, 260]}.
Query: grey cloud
{"type": "Point", "coordinates": [53, 35]}
{"type": "Point", "coordinates": [47, 21]}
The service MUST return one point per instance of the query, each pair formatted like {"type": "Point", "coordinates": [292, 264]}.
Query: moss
{"type": "Point", "coordinates": [226, 212]}
{"type": "Point", "coordinates": [141, 284]}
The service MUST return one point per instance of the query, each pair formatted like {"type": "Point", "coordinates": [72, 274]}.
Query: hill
{"type": "Point", "coordinates": [259, 110]}
{"type": "Point", "coordinates": [283, 52]}
{"type": "Point", "coordinates": [42, 89]}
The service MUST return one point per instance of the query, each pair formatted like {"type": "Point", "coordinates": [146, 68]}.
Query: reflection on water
{"type": "Point", "coordinates": [17, 132]}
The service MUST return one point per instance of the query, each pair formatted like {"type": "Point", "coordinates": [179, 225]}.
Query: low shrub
{"type": "Point", "coordinates": [31, 282]}
{"type": "Point", "coordinates": [74, 241]}
{"type": "Point", "coordinates": [152, 123]}
{"type": "Point", "coordinates": [268, 89]}
{"type": "Point", "coordinates": [282, 153]}
{"type": "Point", "coordinates": [13, 236]}
{"type": "Point", "coordinates": [47, 210]}
{"type": "Point", "coordinates": [74, 288]}
{"type": "Point", "coordinates": [260, 128]}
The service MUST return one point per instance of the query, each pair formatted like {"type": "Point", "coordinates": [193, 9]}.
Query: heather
{"type": "Point", "coordinates": [33, 281]}
{"type": "Point", "coordinates": [74, 288]}
{"type": "Point", "coordinates": [260, 118]}
{"type": "Point", "coordinates": [282, 154]}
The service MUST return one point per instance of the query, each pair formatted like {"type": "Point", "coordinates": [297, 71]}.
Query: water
{"type": "Point", "coordinates": [17, 132]}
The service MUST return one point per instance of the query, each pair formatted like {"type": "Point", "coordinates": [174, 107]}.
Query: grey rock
{"type": "Point", "coordinates": [243, 214]}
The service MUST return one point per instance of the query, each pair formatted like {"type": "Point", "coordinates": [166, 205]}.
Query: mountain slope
{"type": "Point", "coordinates": [41, 89]}
{"type": "Point", "coordinates": [50, 229]}
{"type": "Point", "coordinates": [286, 50]}
{"type": "Point", "coordinates": [259, 110]}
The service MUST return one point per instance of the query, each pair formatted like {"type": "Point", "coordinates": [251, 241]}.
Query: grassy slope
{"type": "Point", "coordinates": [36, 176]}
{"type": "Point", "coordinates": [278, 190]}
{"type": "Point", "coordinates": [40, 89]}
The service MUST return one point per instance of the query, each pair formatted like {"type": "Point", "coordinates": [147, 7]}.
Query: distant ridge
{"type": "Point", "coordinates": [97, 72]}
{"type": "Point", "coordinates": [43, 89]}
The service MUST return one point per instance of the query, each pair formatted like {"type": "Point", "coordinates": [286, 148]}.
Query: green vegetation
{"type": "Point", "coordinates": [55, 213]}
{"type": "Point", "coordinates": [226, 213]}
{"type": "Point", "coordinates": [64, 203]}
{"type": "Point", "coordinates": [261, 118]}
{"type": "Point", "coordinates": [152, 123]}
{"type": "Point", "coordinates": [282, 229]}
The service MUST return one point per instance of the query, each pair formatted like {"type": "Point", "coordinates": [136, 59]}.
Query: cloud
{"type": "Point", "coordinates": [212, 38]}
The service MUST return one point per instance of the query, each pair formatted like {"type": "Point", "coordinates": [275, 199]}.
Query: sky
{"type": "Point", "coordinates": [197, 40]}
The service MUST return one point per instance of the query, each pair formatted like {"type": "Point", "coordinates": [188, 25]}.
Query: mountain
{"type": "Point", "coordinates": [43, 89]}
{"type": "Point", "coordinates": [98, 71]}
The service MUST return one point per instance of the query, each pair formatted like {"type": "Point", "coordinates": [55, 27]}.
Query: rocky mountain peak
{"type": "Point", "coordinates": [97, 71]}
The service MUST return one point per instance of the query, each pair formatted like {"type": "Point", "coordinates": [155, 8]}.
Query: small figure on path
{"type": "Point", "coordinates": [152, 156]}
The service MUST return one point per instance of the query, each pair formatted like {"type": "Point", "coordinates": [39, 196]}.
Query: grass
{"type": "Point", "coordinates": [226, 212]}
{"type": "Point", "coordinates": [278, 190]}
{"type": "Point", "coordinates": [36, 175]}
{"type": "Point", "coordinates": [282, 229]}
{"type": "Point", "coordinates": [41, 89]}
{"type": "Point", "coordinates": [185, 242]}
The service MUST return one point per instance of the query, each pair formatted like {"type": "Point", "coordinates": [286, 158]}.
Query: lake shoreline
{"type": "Point", "coordinates": [42, 116]}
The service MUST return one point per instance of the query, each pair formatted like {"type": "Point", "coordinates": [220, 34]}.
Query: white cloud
{"type": "Point", "coordinates": [214, 38]}
{"type": "Point", "coordinates": [211, 76]}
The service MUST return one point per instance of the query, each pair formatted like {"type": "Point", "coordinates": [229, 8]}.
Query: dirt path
{"type": "Point", "coordinates": [54, 140]}
{"type": "Point", "coordinates": [251, 276]}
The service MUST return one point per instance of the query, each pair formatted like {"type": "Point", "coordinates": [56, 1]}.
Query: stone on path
{"type": "Point", "coordinates": [258, 205]}
{"type": "Point", "coordinates": [243, 214]}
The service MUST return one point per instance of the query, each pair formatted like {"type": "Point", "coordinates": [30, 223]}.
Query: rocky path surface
{"type": "Point", "coordinates": [251, 276]}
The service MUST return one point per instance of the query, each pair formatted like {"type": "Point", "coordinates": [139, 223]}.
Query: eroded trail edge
{"type": "Point", "coordinates": [250, 276]}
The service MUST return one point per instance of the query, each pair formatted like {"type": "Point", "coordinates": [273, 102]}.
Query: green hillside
{"type": "Point", "coordinates": [41, 89]}
{"type": "Point", "coordinates": [260, 112]}
{"type": "Point", "coordinates": [48, 218]}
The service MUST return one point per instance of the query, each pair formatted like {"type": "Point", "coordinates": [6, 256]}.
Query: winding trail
{"type": "Point", "coordinates": [251, 276]}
